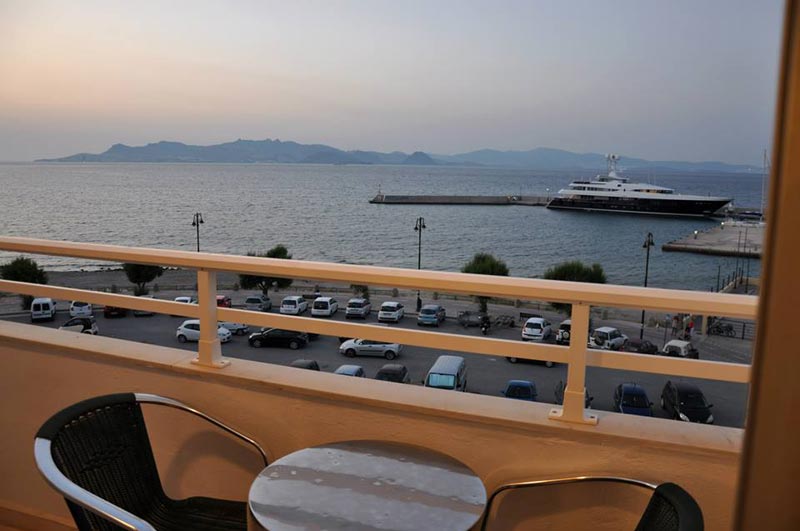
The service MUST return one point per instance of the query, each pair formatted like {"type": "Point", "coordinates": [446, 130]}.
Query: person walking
{"type": "Point", "coordinates": [690, 327]}
{"type": "Point", "coordinates": [675, 321]}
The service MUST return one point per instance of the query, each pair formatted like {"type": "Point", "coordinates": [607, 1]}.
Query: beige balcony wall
{"type": "Point", "coordinates": [287, 409]}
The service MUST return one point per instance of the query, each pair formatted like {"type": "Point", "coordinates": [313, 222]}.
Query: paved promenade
{"type": "Point", "coordinates": [730, 238]}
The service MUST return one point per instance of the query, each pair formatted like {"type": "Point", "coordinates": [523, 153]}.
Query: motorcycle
{"type": "Point", "coordinates": [720, 329]}
{"type": "Point", "coordinates": [485, 325]}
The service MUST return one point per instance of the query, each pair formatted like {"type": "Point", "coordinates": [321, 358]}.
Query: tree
{"type": "Point", "coordinates": [264, 283]}
{"type": "Point", "coordinates": [575, 271]}
{"type": "Point", "coordinates": [485, 264]}
{"type": "Point", "coordinates": [361, 289]}
{"type": "Point", "coordinates": [141, 274]}
{"type": "Point", "coordinates": [23, 269]}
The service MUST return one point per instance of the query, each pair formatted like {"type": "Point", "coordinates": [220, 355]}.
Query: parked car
{"type": "Point", "coordinates": [393, 372]}
{"type": "Point", "coordinates": [80, 309]}
{"type": "Point", "coordinates": [324, 307]}
{"type": "Point", "coordinates": [685, 401]}
{"type": "Point", "coordinates": [82, 325]}
{"type": "Point", "coordinates": [642, 346]}
{"type": "Point", "coordinates": [448, 372]}
{"type": "Point", "coordinates": [311, 365]}
{"type": "Point", "coordinates": [351, 370]}
{"type": "Point", "coordinates": [43, 308]}
{"type": "Point", "coordinates": [293, 305]}
{"type": "Point", "coordinates": [275, 337]}
{"type": "Point", "coordinates": [224, 301]}
{"type": "Point", "coordinates": [186, 299]}
{"type": "Point", "coordinates": [239, 329]}
{"type": "Point", "coordinates": [678, 348]}
{"type": "Point", "coordinates": [559, 395]}
{"type": "Point", "coordinates": [608, 338]}
{"type": "Point", "coordinates": [114, 311]}
{"type": "Point", "coordinates": [358, 307]}
{"type": "Point", "coordinates": [631, 399]}
{"type": "Point", "coordinates": [391, 311]}
{"type": "Point", "coordinates": [189, 330]}
{"type": "Point", "coordinates": [563, 332]}
{"type": "Point", "coordinates": [431, 314]}
{"type": "Point", "coordinates": [369, 347]}
{"type": "Point", "coordinates": [536, 329]}
{"type": "Point", "coordinates": [258, 303]}
{"type": "Point", "coordinates": [144, 313]}
{"type": "Point", "coordinates": [512, 359]}
{"type": "Point", "coordinates": [520, 390]}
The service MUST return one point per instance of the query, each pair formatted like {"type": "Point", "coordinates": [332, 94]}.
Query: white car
{"type": "Point", "coordinates": [536, 329]}
{"type": "Point", "coordinates": [80, 309]}
{"type": "Point", "coordinates": [186, 300]}
{"type": "Point", "coordinates": [257, 303]}
{"type": "Point", "coordinates": [239, 329]}
{"type": "Point", "coordinates": [391, 311]}
{"type": "Point", "coordinates": [293, 305]}
{"type": "Point", "coordinates": [189, 330]}
{"type": "Point", "coordinates": [369, 347]}
{"type": "Point", "coordinates": [324, 307]}
{"type": "Point", "coordinates": [357, 307]}
{"type": "Point", "coordinates": [607, 338]}
{"type": "Point", "coordinates": [82, 325]}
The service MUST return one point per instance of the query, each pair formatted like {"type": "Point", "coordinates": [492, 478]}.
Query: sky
{"type": "Point", "coordinates": [677, 80]}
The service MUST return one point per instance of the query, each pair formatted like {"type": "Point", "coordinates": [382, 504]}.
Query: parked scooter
{"type": "Point", "coordinates": [486, 323]}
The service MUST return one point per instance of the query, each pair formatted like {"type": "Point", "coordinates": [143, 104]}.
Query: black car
{"type": "Point", "coordinates": [685, 401]}
{"type": "Point", "coordinates": [393, 372]}
{"type": "Point", "coordinates": [275, 337]}
{"type": "Point", "coordinates": [305, 364]}
{"type": "Point", "coordinates": [642, 346]}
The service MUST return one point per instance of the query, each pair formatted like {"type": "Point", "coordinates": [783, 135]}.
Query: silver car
{"type": "Point", "coordinates": [369, 347]}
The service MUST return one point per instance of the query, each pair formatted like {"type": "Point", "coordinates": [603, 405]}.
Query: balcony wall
{"type": "Point", "coordinates": [287, 409]}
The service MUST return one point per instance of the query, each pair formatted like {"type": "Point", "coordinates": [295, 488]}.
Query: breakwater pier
{"type": "Point", "coordinates": [729, 238]}
{"type": "Point", "coordinates": [498, 200]}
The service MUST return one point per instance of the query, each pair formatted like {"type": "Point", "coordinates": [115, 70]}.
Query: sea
{"type": "Point", "coordinates": [322, 213]}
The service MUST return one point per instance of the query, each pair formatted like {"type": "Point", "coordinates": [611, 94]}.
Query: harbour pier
{"type": "Point", "coordinates": [496, 200]}
{"type": "Point", "coordinates": [729, 238]}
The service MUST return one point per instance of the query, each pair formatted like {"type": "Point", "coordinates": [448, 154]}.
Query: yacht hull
{"type": "Point", "coordinates": [699, 208]}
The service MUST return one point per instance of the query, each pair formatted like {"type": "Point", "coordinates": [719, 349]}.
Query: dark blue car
{"type": "Point", "coordinates": [520, 390]}
{"type": "Point", "coordinates": [631, 399]}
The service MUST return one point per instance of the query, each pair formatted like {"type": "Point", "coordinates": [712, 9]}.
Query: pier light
{"type": "Point", "coordinates": [197, 220]}
{"type": "Point", "coordinates": [695, 235]}
{"type": "Point", "coordinates": [648, 242]}
{"type": "Point", "coordinates": [418, 227]}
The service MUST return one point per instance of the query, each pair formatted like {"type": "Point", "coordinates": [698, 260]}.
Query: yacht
{"type": "Point", "coordinates": [613, 193]}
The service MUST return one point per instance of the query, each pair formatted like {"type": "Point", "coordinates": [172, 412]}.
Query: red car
{"type": "Point", "coordinates": [223, 300]}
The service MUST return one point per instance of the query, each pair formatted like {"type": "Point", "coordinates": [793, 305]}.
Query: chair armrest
{"type": "Point", "coordinates": [81, 496]}
{"type": "Point", "coordinates": [558, 481]}
{"type": "Point", "coordinates": [147, 398]}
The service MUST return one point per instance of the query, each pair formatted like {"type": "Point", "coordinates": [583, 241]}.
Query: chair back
{"type": "Point", "coordinates": [101, 444]}
{"type": "Point", "coordinates": [671, 509]}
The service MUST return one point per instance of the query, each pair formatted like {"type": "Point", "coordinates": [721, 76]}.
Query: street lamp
{"type": "Point", "coordinates": [418, 227]}
{"type": "Point", "coordinates": [197, 220]}
{"type": "Point", "coordinates": [648, 242]}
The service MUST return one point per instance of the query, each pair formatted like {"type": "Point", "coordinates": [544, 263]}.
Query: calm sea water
{"type": "Point", "coordinates": [322, 213]}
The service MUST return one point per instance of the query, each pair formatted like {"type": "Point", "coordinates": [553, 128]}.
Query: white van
{"type": "Point", "coordinates": [449, 372]}
{"type": "Point", "coordinates": [293, 305]}
{"type": "Point", "coordinates": [324, 307]}
{"type": "Point", "coordinates": [43, 308]}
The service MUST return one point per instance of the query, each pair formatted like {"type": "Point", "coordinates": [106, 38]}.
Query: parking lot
{"type": "Point", "coordinates": [486, 374]}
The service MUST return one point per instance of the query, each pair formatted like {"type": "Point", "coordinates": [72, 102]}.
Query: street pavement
{"type": "Point", "coordinates": [486, 374]}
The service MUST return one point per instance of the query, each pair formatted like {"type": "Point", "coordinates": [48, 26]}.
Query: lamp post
{"type": "Point", "coordinates": [197, 220]}
{"type": "Point", "coordinates": [419, 226]}
{"type": "Point", "coordinates": [648, 242]}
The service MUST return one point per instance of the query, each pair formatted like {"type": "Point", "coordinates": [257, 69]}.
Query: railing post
{"type": "Point", "coordinates": [209, 350]}
{"type": "Point", "coordinates": [574, 406]}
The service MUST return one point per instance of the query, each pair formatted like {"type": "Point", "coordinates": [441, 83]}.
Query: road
{"type": "Point", "coordinates": [486, 374]}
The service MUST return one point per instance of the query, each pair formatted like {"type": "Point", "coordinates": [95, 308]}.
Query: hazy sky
{"type": "Point", "coordinates": [693, 80]}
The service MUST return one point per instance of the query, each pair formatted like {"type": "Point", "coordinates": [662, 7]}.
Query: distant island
{"type": "Point", "coordinates": [277, 151]}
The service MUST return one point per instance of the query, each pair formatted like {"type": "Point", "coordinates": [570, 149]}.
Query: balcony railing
{"type": "Point", "coordinates": [581, 296]}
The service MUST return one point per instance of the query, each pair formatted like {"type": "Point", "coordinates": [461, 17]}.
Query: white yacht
{"type": "Point", "coordinates": [612, 193]}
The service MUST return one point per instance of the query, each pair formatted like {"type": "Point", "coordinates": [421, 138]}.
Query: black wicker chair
{"type": "Point", "coordinates": [97, 454]}
{"type": "Point", "coordinates": [670, 508]}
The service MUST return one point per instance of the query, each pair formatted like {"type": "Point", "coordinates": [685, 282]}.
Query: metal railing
{"type": "Point", "coordinates": [581, 296]}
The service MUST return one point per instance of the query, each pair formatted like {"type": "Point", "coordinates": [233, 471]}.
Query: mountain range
{"type": "Point", "coordinates": [277, 151]}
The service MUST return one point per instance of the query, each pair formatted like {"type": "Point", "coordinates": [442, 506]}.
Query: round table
{"type": "Point", "coordinates": [362, 485]}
